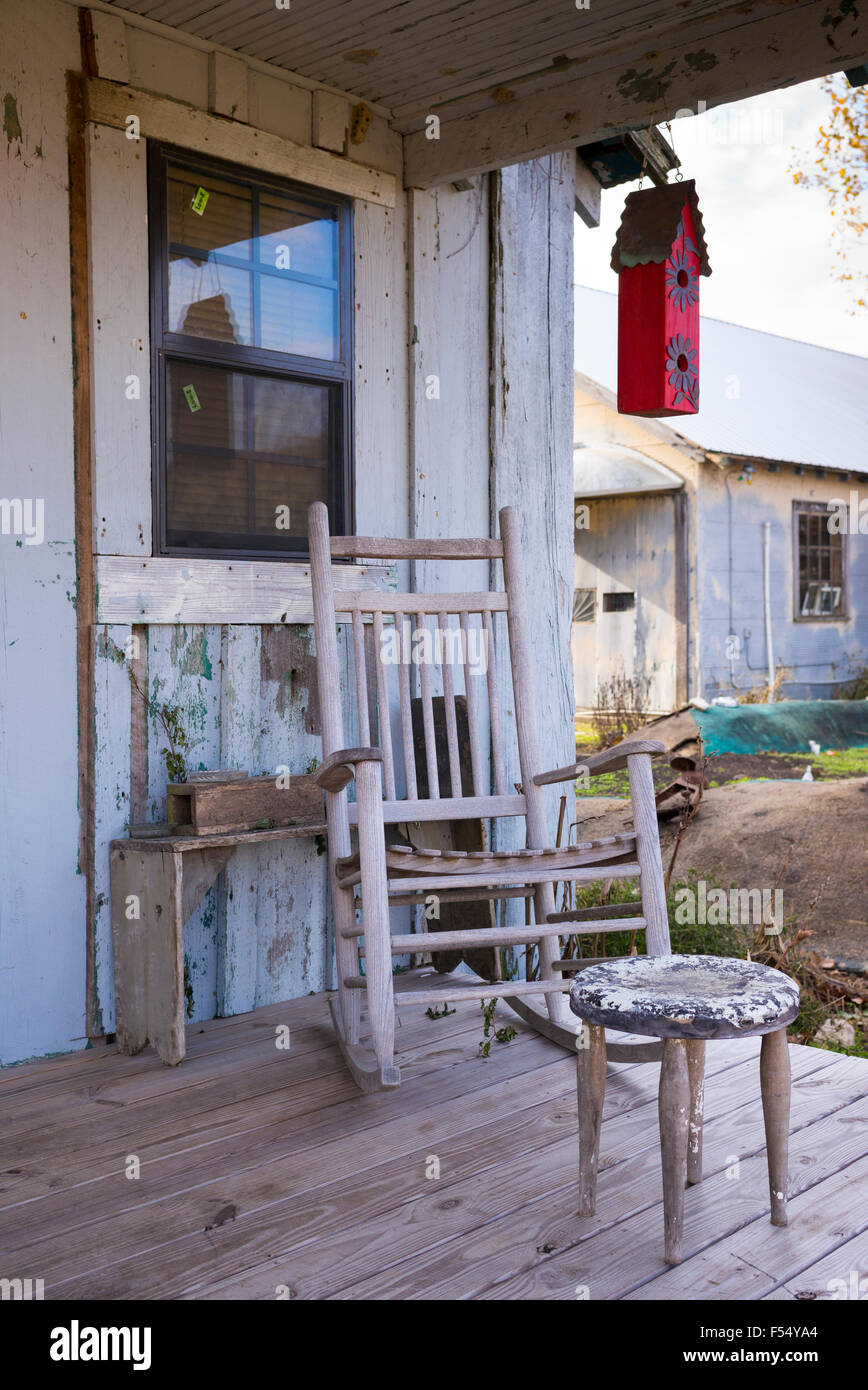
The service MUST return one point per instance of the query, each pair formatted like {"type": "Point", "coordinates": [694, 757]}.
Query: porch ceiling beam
{"type": "Point", "coordinates": [177, 123]}
{"type": "Point", "coordinates": [799, 43]}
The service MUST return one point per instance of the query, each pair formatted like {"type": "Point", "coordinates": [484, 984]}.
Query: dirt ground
{"type": "Point", "coordinates": [741, 835]}
{"type": "Point", "coordinates": [727, 767]}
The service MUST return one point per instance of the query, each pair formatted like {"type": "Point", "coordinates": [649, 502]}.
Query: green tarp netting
{"type": "Point", "coordinates": [787, 727]}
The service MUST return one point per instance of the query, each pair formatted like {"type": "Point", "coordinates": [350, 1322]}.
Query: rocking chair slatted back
{"type": "Point", "coordinates": [449, 627]}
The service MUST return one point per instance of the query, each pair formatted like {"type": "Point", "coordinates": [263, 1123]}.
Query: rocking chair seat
{"type": "Point", "coordinates": [404, 861]}
{"type": "Point", "coordinates": [686, 997]}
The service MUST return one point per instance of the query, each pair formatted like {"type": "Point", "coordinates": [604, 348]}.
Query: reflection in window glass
{"type": "Point", "coordinates": [290, 238]}
{"type": "Point", "coordinates": [276, 289]}
{"type": "Point", "coordinates": [239, 448]}
{"type": "Point", "coordinates": [209, 300]}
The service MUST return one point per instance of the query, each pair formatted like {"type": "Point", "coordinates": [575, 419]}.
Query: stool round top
{"type": "Point", "coordinates": [685, 996]}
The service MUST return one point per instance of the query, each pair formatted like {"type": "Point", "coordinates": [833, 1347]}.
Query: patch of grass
{"type": "Point", "coordinates": [842, 762]}
{"type": "Point", "coordinates": [618, 783]}
{"type": "Point", "coordinates": [701, 940]}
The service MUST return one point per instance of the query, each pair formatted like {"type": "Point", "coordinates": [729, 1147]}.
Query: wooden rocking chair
{"type": "Point", "coordinates": [402, 873]}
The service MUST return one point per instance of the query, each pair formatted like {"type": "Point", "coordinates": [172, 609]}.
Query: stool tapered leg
{"type": "Point", "coordinates": [696, 1080]}
{"type": "Point", "coordinates": [674, 1110]}
{"type": "Point", "coordinates": [591, 1084]}
{"type": "Point", "coordinates": [775, 1088]}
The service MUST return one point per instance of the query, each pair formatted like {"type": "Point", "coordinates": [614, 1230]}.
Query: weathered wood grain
{"type": "Point", "coordinates": [163, 590]}
{"type": "Point", "coordinates": [758, 55]}
{"type": "Point", "coordinates": [226, 807]}
{"type": "Point", "coordinates": [178, 123]}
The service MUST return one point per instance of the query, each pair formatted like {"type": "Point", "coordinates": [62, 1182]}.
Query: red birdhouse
{"type": "Point", "coordinates": [659, 254]}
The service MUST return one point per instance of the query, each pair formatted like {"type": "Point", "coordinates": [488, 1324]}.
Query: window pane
{"type": "Point", "coordinates": [225, 222]}
{"type": "Point", "coordinates": [241, 449]}
{"type": "Point", "coordinates": [209, 300]}
{"type": "Point", "coordinates": [299, 318]}
{"type": "Point", "coordinates": [298, 239]}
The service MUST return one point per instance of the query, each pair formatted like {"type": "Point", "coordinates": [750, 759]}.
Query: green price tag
{"type": "Point", "coordinates": [199, 202]}
{"type": "Point", "coordinates": [191, 398]}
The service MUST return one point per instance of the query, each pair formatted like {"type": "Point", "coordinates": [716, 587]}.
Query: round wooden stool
{"type": "Point", "coordinates": [684, 1000]}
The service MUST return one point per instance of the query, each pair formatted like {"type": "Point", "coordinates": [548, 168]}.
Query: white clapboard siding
{"type": "Point", "coordinates": [121, 344]}
{"type": "Point", "coordinates": [43, 926]}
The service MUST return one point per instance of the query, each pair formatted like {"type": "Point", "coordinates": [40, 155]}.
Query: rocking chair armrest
{"type": "Point", "coordinates": [610, 760]}
{"type": "Point", "coordinates": [338, 769]}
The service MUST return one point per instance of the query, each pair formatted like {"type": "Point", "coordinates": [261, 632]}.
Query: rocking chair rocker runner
{"type": "Point", "coordinates": [406, 874]}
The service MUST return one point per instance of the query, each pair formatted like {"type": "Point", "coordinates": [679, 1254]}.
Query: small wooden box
{"type": "Point", "coordinates": [251, 803]}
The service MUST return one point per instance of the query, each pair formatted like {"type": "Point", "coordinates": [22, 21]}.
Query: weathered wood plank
{"type": "Point", "coordinates": [111, 700]}
{"type": "Point", "coordinates": [531, 418]}
{"type": "Point", "coordinates": [178, 123]}
{"type": "Point", "coordinates": [185, 674]}
{"type": "Point", "coordinates": [840, 1275]}
{"type": "Point", "coordinates": [163, 590]}
{"type": "Point", "coordinates": [217, 808]}
{"type": "Point", "coordinates": [293, 913]}
{"type": "Point", "coordinates": [531, 1225]}
{"type": "Point", "coordinates": [748, 1264]}
{"type": "Point", "coordinates": [401, 1213]}
{"type": "Point", "coordinates": [757, 56]}
{"type": "Point", "coordinates": [121, 344]}
{"type": "Point", "coordinates": [628, 1256]}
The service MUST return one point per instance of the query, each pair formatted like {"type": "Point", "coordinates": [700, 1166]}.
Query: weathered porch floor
{"type": "Point", "coordinates": [264, 1169]}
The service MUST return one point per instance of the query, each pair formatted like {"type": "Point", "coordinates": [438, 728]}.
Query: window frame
{"type": "Point", "coordinates": [842, 615]}
{"type": "Point", "coordinates": [167, 346]}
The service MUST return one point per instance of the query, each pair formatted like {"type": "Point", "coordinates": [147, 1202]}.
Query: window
{"type": "Point", "coordinates": [618, 602]}
{"type": "Point", "coordinates": [818, 565]}
{"type": "Point", "coordinates": [251, 359]}
{"type": "Point", "coordinates": [584, 605]}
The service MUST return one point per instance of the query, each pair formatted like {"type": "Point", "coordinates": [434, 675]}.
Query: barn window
{"type": "Point", "coordinates": [584, 605]}
{"type": "Point", "coordinates": [818, 563]}
{"type": "Point", "coordinates": [618, 602]}
{"type": "Point", "coordinates": [251, 357]}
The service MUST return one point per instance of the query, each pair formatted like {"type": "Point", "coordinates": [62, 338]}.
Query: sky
{"type": "Point", "coordinates": [768, 240]}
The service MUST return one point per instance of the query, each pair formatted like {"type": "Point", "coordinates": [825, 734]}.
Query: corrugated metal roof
{"type": "Point", "coordinates": [603, 470]}
{"type": "Point", "coordinates": [761, 396]}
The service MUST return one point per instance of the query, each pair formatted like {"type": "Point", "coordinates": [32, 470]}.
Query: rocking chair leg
{"type": "Point", "coordinates": [696, 1081]}
{"type": "Point", "coordinates": [674, 1105]}
{"type": "Point", "coordinates": [378, 954]}
{"type": "Point", "coordinates": [556, 1004]}
{"type": "Point", "coordinates": [591, 1083]}
{"type": "Point", "coordinates": [775, 1088]}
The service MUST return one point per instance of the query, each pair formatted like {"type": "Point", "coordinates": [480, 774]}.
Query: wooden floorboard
{"type": "Point", "coordinates": [262, 1169]}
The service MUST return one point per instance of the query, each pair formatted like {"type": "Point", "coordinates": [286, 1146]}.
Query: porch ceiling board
{"type": "Point", "coordinates": [511, 81]}
{"type": "Point", "coordinates": [416, 58]}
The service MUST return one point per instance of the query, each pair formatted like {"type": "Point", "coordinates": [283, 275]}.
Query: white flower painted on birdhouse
{"type": "Point", "coordinates": [682, 280]}
{"type": "Point", "coordinates": [682, 369]}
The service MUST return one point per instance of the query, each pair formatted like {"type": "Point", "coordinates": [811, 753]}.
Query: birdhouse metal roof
{"type": "Point", "coordinates": [649, 225]}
